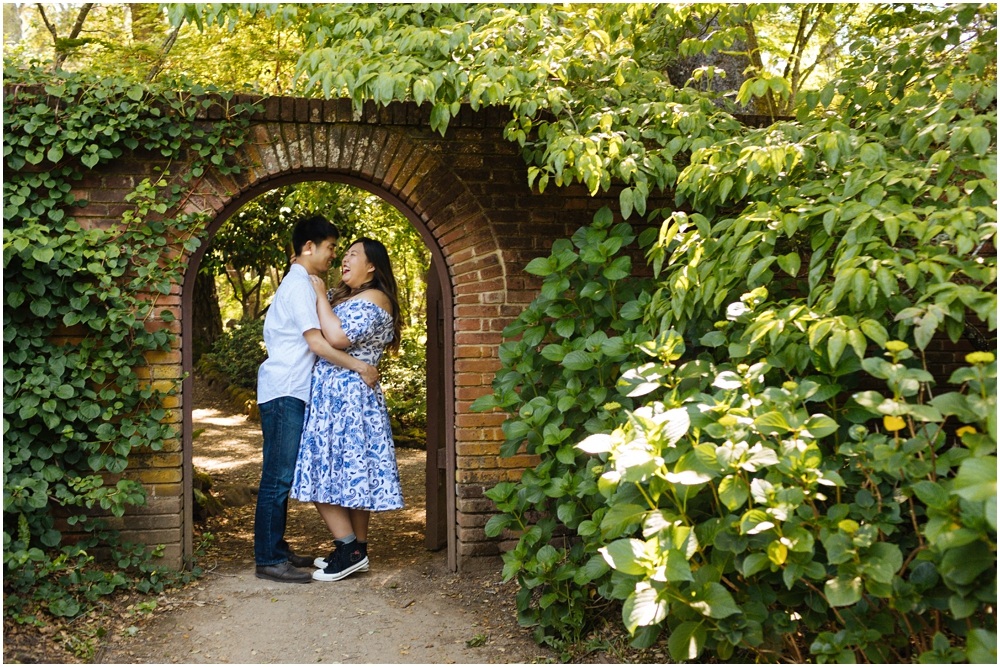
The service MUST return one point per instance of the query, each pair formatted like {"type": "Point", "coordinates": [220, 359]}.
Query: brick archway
{"type": "Point", "coordinates": [466, 193]}
{"type": "Point", "coordinates": [235, 203]}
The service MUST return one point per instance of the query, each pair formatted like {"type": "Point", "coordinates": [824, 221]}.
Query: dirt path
{"type": "Point", "coordinates": [408, 608]}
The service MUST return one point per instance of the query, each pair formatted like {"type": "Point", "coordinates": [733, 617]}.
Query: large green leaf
{"type": "Point", "coordinates": [620, 517]}
{"type": "Point", "coordinates": [625, 556]}
{"type": "Point", "coordinates": [687, 641]}
{"type": "Point", "coordinates": [643, 607]}
{"type": "Point", "coordinates": [843, 591]}
{"type": "Point", "coordinates": [981, 646]}
{"type": "Point", "coordinates": [976, 479]}
{"type": "Point", "coordinates": [714, 601]}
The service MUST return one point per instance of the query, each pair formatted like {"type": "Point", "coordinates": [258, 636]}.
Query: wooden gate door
{"type": "Point", "coordinates": [436, 536]}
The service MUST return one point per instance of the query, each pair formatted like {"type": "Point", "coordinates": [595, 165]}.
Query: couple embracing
{"type": "Point", "coordinates": [326, 428]}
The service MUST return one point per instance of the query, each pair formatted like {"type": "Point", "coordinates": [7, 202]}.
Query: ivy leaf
{"type": "Point", "coordinates": [43, 254]}
{"type": "Point", "coordinates": [64, 606]}
{"type": "Point", "coordinates": [41, 307]}
{"type": "Point", "coordinates": [790, 263]}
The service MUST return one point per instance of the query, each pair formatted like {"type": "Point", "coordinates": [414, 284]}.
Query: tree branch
{"type": "Point", "coordinates": [80, 18]}
{"type": "Point", "coordinates": [168, 44]}
{"type": "Point", "coordinates": [62, 54]}
{"type": "Point", "coordinates": [45, 20]}
{"type": "Point", "coordinates": [799, 44]}
{"type": "Point", "coordinates": [826, 50]}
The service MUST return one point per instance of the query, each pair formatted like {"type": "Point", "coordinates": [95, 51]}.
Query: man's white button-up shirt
{"type": "Point", "coordinates": [287, 371]}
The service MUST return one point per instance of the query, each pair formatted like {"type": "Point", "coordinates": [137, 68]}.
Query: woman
{"type": "Point", "coordinates": [347, 461]}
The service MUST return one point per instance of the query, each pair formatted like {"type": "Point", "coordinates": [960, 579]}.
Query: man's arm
{"type": "Point", "coordinates": [321, 347]}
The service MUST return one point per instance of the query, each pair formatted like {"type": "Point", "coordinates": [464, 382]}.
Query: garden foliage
{"type": "Point", "coordinates": [76, 305]}
{"type": "Point", "coordinates": [239, 352]}
{"type": "Point", "coordinates": [768, 466]}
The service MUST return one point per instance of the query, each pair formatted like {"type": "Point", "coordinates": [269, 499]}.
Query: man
{"type": "Point", "coordinates": [294, 339]}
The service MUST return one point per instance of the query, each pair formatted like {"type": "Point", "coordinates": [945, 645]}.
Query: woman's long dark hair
{"type": "Point", "coordinates": [382, 280]}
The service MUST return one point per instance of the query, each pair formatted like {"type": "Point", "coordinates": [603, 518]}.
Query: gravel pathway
{"type": "Point", "coordinates": [408, 609]}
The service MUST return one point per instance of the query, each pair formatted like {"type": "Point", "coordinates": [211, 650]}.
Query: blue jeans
{"type": "Point", "coordinates": [281, 421]}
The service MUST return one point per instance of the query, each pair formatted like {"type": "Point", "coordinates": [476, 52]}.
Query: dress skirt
{"type": "Point", "coordinates": [346, 455]}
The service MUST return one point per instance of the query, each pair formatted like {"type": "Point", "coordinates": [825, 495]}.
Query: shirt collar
{"type": "Point", "coordinates": [296, 268]}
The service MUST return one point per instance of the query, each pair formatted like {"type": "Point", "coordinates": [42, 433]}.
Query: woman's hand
{"type": "Point", "coordinates": [319, 286]}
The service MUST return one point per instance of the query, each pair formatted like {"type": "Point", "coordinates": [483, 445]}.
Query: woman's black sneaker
{"type": "Point", "coordinates": [320, 563]}
{"type": "Point", "coordinates": [345, 560]}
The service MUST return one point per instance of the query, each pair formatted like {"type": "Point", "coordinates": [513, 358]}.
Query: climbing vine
{"type": "Point", "coordinates": [79, 303]}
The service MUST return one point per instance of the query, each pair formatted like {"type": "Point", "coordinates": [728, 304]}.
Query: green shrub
{"type": "Point", "coordinates": [782, 478]}
{"type": "Point", "coordinates": [560, 380]}
{"type": "Point", "coordinates": [404, 382]}
{"type": "Point", "coordinates": [239, 352]}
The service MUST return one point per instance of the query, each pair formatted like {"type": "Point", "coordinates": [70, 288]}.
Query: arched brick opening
{"type": "Point", "coordinates": [386, 163]}
{"type": "Point", "coordinates": [466, 193]}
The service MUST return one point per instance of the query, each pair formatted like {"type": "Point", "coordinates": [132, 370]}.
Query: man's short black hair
{"type": "Point", "coordinates": [315, 228]}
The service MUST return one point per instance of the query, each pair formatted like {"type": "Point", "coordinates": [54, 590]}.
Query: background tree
{"type": "Point", "coordinates": [254, 245]}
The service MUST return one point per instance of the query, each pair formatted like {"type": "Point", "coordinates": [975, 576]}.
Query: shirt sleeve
{"type": "Point", "coordinates": [303, 309]}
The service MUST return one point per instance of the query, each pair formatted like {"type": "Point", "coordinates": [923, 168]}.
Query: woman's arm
{"type": "Point", "coordinates": [321, 347]}
{"type": "Point", "coordinates": [331, 326]}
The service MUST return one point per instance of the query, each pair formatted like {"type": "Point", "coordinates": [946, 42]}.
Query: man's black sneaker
{"type": "Point", "coordinates": [321, 563]}
{"type": "Point", "coordinates": [346, 560]}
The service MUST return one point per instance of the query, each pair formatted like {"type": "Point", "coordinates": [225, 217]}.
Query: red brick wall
{"type": "Point", "coordinates": [468, 192]}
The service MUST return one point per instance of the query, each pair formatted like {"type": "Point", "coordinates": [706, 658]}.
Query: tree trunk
{"type": "Point", "coordinates": [205, 314]}
{"type": "Point", "coordinates": [147, 22]}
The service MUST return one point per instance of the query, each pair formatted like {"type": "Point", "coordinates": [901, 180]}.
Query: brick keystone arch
{"type": "Point", "coordinates": [467, 195]}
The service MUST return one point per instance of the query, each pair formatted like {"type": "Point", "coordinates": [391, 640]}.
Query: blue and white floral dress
{"type": "Point", "coordinates": [346, 455]}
